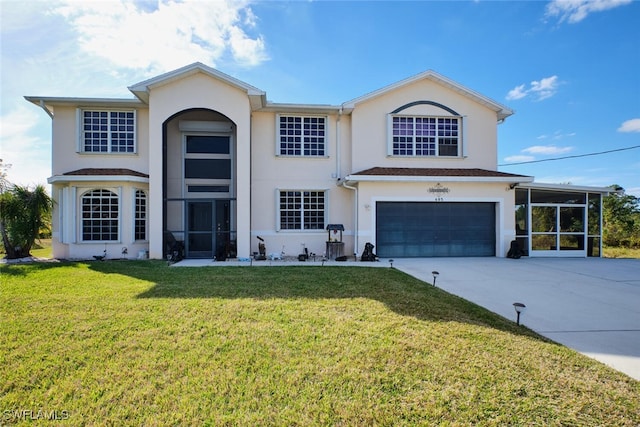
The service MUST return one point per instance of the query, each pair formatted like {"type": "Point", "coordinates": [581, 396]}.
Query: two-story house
{"type": "Point", "coordinates": [202, 156]}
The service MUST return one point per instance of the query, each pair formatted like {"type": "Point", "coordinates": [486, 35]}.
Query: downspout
{"type": "Point", "coordinates": [338, 145]}
{"type": "Point", "coordinates": [355, 221]}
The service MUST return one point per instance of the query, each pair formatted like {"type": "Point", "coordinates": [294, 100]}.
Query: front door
{"type": "Point", "coordinates": [208, 229]}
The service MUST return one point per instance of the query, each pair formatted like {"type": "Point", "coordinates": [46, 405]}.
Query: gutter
{"type": "Point", "coordinates": [46, 110]}
{"type": "Point", "coordinates": [338, 145]}
{"type": "Point", "coordinates": [400, 178]}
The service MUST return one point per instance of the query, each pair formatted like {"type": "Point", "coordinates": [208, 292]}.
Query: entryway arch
{"type": "Point", "coordinates": [200, 182]}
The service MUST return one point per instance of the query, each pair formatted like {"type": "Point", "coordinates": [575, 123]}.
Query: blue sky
{"type": "Point", "coordinates": [570, 69]}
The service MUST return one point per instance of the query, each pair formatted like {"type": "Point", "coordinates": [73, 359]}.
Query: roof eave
{"type": "Point", "coordinates": [301, 108]}
{"type": "Point", "coordinates": [405, 178]}
{"type": "Point", "coordinates": [48, 103]}
{"type": "Point", "coordinates": [566, 187]}
{"type": "Point", "coordinates": [502, 111]}
{"type": "Point", "coordinates": [58, 179]}
{"type": "Point", "coordinates": [142, 89]}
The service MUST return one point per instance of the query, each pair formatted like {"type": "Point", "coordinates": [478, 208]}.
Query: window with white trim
{"type": "Point", "coordinates": [425, 136]}
{"type": "Point", "coordinates": [302, 210]}
{"type": "Point", "coordinates": [140, 226]}
{"type": "Point", "coordinates": [108, 131]}
{"type": "Point", "coordinates": [302, 136]}
{"type": "Point", "coordinates": [100, 216]}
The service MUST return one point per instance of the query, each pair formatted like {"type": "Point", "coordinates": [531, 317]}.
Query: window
{"type": "Point", "coordinates": [425, 136]}
{"type": "Point", "coordinates": [302, 136]}
{"type": "Point", "coordinates": [302, 210]}
{"type": "Point", "coordinates": [100, 216]}
{"type": "Point", "coordinates": [140, 227]}
{"type": "Point", "coordinates": [208, 168]}
{"type": "Point", "coordinates": [108, 131]}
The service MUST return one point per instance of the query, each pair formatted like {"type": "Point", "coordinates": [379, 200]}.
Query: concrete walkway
{"type": "Point", "coordinates": [589, 304]}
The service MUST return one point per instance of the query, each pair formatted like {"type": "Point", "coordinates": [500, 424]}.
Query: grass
{"type": "Point", "coordinates": [42, 249]}
{"type": "Point", "coordinates": [619, 252]}
{"type": "Point", "coordinates": [139, 343]}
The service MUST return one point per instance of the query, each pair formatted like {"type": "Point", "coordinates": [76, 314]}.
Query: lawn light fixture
{"type": "Point", "coordinates": [435, 276]}
{"type": "Point", "coordinates": [391, 262]}
{"type": "Point", "coordinates": [520, 308]}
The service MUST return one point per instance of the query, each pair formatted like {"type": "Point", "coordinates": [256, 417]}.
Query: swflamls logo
{"type": "Point", "coordinates": [33, 415]}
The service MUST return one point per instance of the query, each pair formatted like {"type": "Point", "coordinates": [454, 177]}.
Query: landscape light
{"type": "Point", "coordinates": [520, 308]}
{"type": "Point", "coordinates": [435, 276]}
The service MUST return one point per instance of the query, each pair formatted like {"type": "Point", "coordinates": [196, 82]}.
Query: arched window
{"type": "Point", "coordinates": [100, 216]}
{"type": "Point", "coordinates": [141, 216]}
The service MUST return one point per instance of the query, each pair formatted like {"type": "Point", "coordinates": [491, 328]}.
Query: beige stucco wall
{"type": "Point", "coordinates": [369, 132]}
{"type": "Point", "coordinates": [370, 193]}
{"type": "Point", "coordinates": [199, 91]}
{"type": "Point", "coordinates": [66, 157]}
{"type": "Point", "coordinates": [271, 173]}
{"type": "Point", "coordinates": [67, 221]}
{"type": "Point", "coordinates": [66, 133]}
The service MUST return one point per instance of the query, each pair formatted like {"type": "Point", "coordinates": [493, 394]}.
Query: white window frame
{"type": "Point", "coordinates": [82, 146]}
{"type": "Point", "coordinates": [145, 219]}
{"type": "Point", "coordinates": [301, 210]}
{"type": "Point", "coordinates": [118, 195]}
{"type": "Point", "coordinates": [303, 117]}
{"type": "Point", "coordinates": [437, 137]}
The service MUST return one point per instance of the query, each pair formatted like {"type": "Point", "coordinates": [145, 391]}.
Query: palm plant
{"type": "Point", "coordinates": [23, 213]}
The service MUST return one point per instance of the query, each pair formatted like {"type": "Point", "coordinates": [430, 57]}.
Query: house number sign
{"type": "Point", "coordinates": [439, 191]}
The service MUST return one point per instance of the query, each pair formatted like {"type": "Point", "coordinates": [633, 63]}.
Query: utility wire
{"type": "Point", "coordinates": [571, 157]}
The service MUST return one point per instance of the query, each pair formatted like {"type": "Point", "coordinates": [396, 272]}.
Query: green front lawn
{"type": "Point", "coordinates": [139, 343]}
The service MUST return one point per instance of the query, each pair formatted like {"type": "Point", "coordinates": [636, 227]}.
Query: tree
{"type": "Point", "coordinates": [621, 219]}
{"type": "Point", "coordinates": [23, 213]}
{"type": "Point", "coordinates": [4, 183]}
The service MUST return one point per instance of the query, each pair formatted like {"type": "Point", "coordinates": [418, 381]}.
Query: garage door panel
{"type": "Point", "coordinates": [422, 229]}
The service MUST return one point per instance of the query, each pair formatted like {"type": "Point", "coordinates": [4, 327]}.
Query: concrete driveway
{"type": "Point", "coordinates": [589, 304]}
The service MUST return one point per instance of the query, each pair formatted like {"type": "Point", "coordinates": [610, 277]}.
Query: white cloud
{"type": "Point", "coordinates": [167, 37]}
{"type": "Point", "coordinates": [17, 123]}
{"type": "Point", "coordinates": [547, 150]}
{"type": "Point", "coordinates": [632, 125]}
{"type": "Point", "coordinates": [539, 89]}
{"type": "Point", "coordinates": [28, 154]}
{"type": "Point", "coordinates": [517, 92]}
{"type": "Point", "coordinates": [544, 88]}
{"type": "Point", "coordinates": [574, 11]}
{"type": "Point", "coordinates": [518, 158]}
{"type": "Point", "coordinates": [557, 135]}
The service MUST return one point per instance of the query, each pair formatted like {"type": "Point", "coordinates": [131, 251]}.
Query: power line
{"type": "Point", "coordinates": [572, 157]}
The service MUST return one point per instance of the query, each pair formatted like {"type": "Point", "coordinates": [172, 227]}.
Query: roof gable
{"type": "Point", "coordinates": [502, 111]}
{"type": "Point", "coordinates": [141, 90]}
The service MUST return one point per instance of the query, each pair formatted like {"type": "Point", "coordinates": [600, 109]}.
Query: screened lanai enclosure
{"type": "Point", "coordinates": [558, 222]}
{"type": "Point", "coordinates": [199, 183]}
